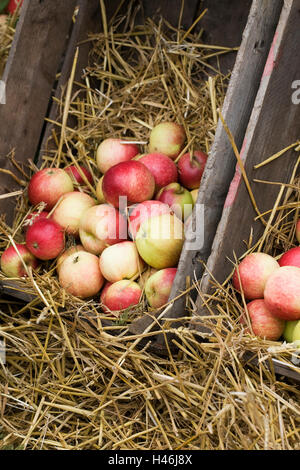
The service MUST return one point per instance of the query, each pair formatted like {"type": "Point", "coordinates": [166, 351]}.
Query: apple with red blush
{"type": "Point", "coordinates": [120, 261]}
{"type": "Point", "coordinates": [162, 168]}
{"type": "Point", "coordinates": [100, 226]}
{"type": "Point", "coordinates": [119, 296]}
{"type": "Point", "coordinates": [252, 274]}
{"type": "Point", "coordinates": [158, 287]}
{"type": "Point", "coordinates": [131, 180]}
{"type": "Point", "coordinates": [48, 185]}
{"type": "Point", "coordinates": [143, 211]}
{"type": "Point", "coordinates": [282, 293]}
{"type": "Point", "coordinates": [113, 151]}
{"type": "Point", "coordinates": [167, 138]}
{"type": "Point", "coordinates": [178, 198]}
{"type": "Point", "coordinates": [45, 239]}
{"type": "Point", "coordinates": [191, 168]}
{"type": "Point", "coordinates": [290, 257]}
{"type": "Point", "coordinates": [70, 209]}
{"type": "Point", "coordinates": [263, 323]}
{"type": "Point", "coordinates": [12, 261]}
{"type": "Point", "coordinates": [80, 274]}
{"type": "Point", "coordinates": [80, 175]}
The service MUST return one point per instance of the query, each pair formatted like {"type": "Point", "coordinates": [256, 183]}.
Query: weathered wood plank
{"type": "Point", "coordinates": [170, 10]}
{"type": "Point", "coordinates": [242, 90]}
{"type": "Point", "coordinates": [272, 127]}
{"type": "Point", "coordinates": [29, 75]}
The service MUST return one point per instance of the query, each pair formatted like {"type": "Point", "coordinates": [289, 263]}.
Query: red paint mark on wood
{"type": "Point", "coordinates": [234, 185]}
{"type": "Point", "coordinates": [271, 60]}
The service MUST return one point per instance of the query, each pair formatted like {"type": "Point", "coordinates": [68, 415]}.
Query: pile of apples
{"type": "Point", "coordinates": [273, 289]}
{"type": "Point", "coordinates": [127, 241]}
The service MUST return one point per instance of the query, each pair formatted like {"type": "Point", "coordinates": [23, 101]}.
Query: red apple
{"type": "Point", "coordinates": [120, 295]}
{"type": "Point", "coordinates": [76, 174]}
{"type": "Point", "coordinates": [254, 271]}
{"type": "Point", "coordinates": [178, 199]}
{"type": "Point", "coordinates": [33, 217]}
{"type": "Point", "coordinates": [45, 239]}
{"type": "Point", "coordinates": [80, 275]}
{"type": "Point", "coordinates": [101, 226]}
{"type": "Point", "coordinates": [191, 169]}
{"type": "Point", "coordinates": [167, 138]}
{"type": "Point", "coordinates": [120, 261]}
{"type": "Point", "coordinates": [158, 287]}
{"type": "Point", "coordinates": [282, 293]}
{"type": "Point", "coordinates": [113, 151]}
{"type": "Point", "coordinates": [11, 261]}
{"type": "Point", "coordinates": [144, 211]}
{"type": "Point", "coordinates": [162, 168]}
{"type": "Point", "coordinates": [48, 185]}
{"type": "Point", "coordinates": [12, 5]}
{"type": "Point", "coordinates": [263, 323]}
{"type": "Point", "coordinates": [65, 254]}
{"type": "Point", "coordinates": [131, 180]}
{"type": "Point", "coordinates": [290, 258]}
{"type": "Point", "coordinates": [160, 240]}
{"type": "Point", "coordinates": [70, 209]}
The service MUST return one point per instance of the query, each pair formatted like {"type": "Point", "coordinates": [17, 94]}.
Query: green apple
{"type": "Point", "coordinates": [289, 330]}
{"type": "Point", "coordinates": [160, 239]}
{"type": "Point", "coordinates": [296, 333]}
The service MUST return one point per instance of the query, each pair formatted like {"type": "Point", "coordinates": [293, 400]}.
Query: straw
{"type": "Point", "coordinates": [75, 378]}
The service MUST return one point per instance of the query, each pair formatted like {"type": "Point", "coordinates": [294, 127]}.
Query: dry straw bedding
{"type": "Point", "coordinates": [71, 382]}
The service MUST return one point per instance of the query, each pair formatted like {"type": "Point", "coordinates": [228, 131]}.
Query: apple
{"type": "Point", "coordinates": [263, 323]}
{"type": "Point", "coordinates": [13, 5]}
{"type": "Point", "coordinates": [190, 170]}
{"type": "Point", "coordinates": [120, 295]}
{"type": "Point", "coordinates": [113, 151]}
{"type": "Point", "coordinates": [11, 261]}
{"type": "Point", "coordinates": [158, 287]}
{"type": "Point", "coordinates": [289, 330]}
{"type": "Point", "coordinates": [282, 293]}
{"type": "Point", "coordinates": [45, 239]}
{"type": "Point", "coordinates": [290, 257]}
{"type": "Point", "coordinates": [167, 138]}
{"type": "Point", "coordinates": [70, 209]}
{"type": "Point", "coordinates": [33, 217]}
{"type": "Point", "coordinates": [99, 192]}
{"type": "Point", "coordinates": [254, 270]}
{"type": "Point", "coordinates": [80, 275]}
{"type": "Point", "coordinates": [298, 231]}
{"type": "Point", "coordinates": [160, 239]}
{"type": "Point", "coordinates": [144, 211]}
{"type": "Point", "coordinates": [131, 180]}
{"type": "Point", "coordinates": [145, 276]}
{"type": "Point", "coordinates": [178, 199]}
{"type": "Point", "coordinates": [296, 333]}
{"type": "Point", "coordinates": [101, 226]}
{"type": "Point", "coordinates": [194, 193]}
{"type": "Point", "coordinates": [76, 174]}
{"type": "Point", "coordinates": [69, 251]}
{"type": "Point", "coordinates": [48, 185]}
{"type": "Point", "coordinates": [120, 261]}
{"type": "Point", "coordinates": [162, 168]}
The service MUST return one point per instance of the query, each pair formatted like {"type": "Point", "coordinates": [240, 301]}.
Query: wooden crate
{"type": "Point", "coordinates": [47, 32]}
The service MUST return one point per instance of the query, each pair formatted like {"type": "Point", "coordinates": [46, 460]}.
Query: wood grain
{"type": "Point", "coordinates": [29, 75]}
